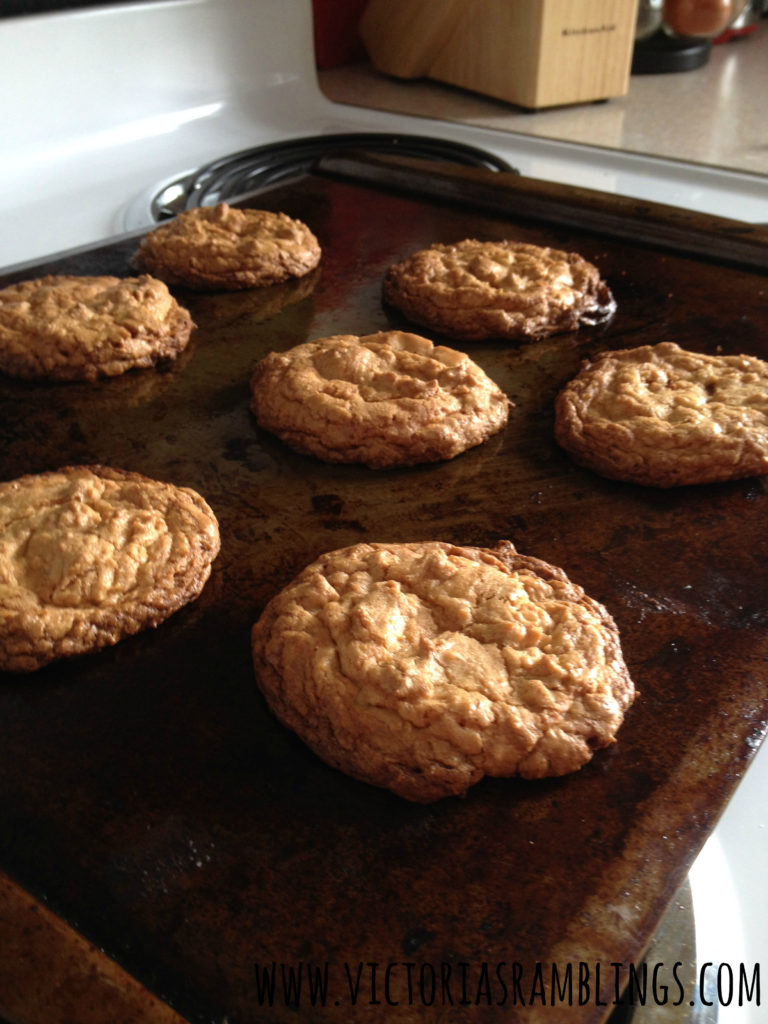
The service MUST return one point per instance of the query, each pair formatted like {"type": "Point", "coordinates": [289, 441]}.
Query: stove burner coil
{"type": "Point", "coordinates": [252, 170]}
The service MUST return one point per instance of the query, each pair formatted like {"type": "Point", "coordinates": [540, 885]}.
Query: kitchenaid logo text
{"type": "Point", "coordinates": [510, 984]}
{"type": "Point", "coordinates": [588, 30]}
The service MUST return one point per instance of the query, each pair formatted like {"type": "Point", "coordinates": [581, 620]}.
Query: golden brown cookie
{"type": "Point", "coordinates": [386, 399]}
{"type": "Point", "coordinates": [90, 555]}
{"type": "Point", "coordinates": [661, 416]}
{"type": "Point", "coordinates": [66, 328]}
{"type": "Point", "coordinates": [423, 667]}
{"type": "Point", "coordinates": [222, 248]}
{"type": "Point", "coordinates": [474, 290]}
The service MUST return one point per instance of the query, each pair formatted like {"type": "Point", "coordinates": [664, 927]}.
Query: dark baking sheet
{"type": "Point", "coordinates": [148, 797]}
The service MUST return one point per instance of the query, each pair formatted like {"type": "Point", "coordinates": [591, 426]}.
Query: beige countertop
{"type": "Point", "coordinates": [715, 115]}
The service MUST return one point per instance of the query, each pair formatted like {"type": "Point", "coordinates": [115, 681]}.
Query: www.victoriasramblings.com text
{"type": "Point", "coordinates": [404, 982]}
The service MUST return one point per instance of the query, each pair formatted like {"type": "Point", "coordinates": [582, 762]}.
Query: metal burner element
{"type": "Point", "coordinates": [252, 170]}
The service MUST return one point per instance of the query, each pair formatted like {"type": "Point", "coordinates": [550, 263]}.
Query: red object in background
{"type": "Point", "coordinates": [704, 18]}
{"type": "Point", "coordinates": [735, 33]}
{"type": "Point", "coordinates": [336, 37]}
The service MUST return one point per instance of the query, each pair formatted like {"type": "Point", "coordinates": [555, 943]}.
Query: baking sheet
{"type": "Point", "coordinates": [149, 798]}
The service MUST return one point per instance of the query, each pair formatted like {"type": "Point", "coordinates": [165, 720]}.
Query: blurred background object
{"type": "Point", "coordinates": [677, 35]}
{"type": "Point", "coordinates": [337, 40]}
{"type": "Point", "coordinates": [533, 53]}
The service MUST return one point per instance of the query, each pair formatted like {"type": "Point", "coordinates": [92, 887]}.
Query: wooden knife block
{"type": "Point", "coordinates": [534, 53]}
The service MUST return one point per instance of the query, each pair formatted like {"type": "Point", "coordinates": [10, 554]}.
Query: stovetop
{"type": "Point", "coordinates": [233, 177]}
{"type": "Point", "coordinates": [112, 113]}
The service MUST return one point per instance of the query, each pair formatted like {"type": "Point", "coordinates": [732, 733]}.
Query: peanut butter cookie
{"type": "Point", "coordinates": [223, 248]}
{"type": "Point", "coordinates": [67, 328]}
{"type": "Point", "coordinates": [90, 555]}
{"type": "Point", "coordinates": [661, 416]}
{"type": "Point", "coordinates": [474, 290]}
{"type": "Point", "coordinates": [423, 667]}
{"type": "Point", "coordinates": [386, 399]}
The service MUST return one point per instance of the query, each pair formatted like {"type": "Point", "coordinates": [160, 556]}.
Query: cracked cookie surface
{"type": "Point", "coordinates": [90, 555]}
{"type": "Point", "coordinates": [225, 248]}
{"type": "Point", "coordinates": [498, 289]}
{"type": "Point", "coordinates": [422, 667]}
{"type": "Point", "coordinates": [67, 327]}
{"type": "Point", "coordinates": [662, 416]}
{"type": "Point", "coordinates": [385, 399]}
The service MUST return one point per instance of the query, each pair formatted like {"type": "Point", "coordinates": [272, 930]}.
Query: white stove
{"type": "Point", "coordinates": [113, 105]}
{"type": "Point", "coordinates": [110, 103]}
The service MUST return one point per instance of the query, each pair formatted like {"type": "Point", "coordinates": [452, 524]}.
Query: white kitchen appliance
{"type": "Point", "coordinates": [108, 108]}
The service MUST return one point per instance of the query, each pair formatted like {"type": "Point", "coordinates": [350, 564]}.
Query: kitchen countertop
{"type": "Point", "coordinates": [714, 115]}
